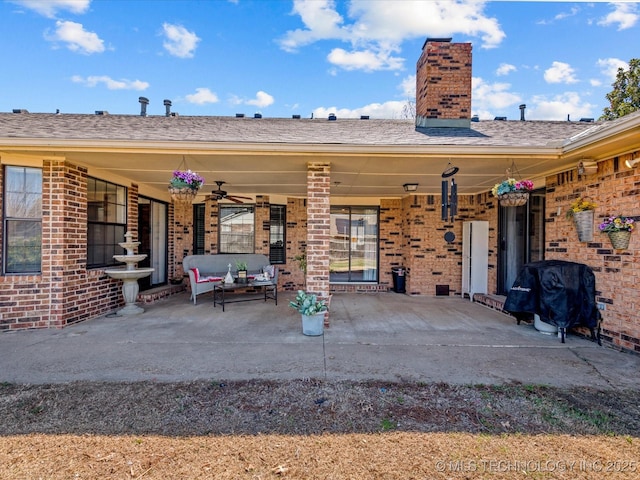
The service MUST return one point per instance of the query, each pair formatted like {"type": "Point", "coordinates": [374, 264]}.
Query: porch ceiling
{"type": "Point", "coordinates": [353, 174]}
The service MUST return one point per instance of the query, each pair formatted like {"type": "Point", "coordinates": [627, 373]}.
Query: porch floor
{"type": "Point", "coordinates": [372, 336]}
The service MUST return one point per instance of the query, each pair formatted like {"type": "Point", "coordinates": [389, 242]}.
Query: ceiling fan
{"type": "Point", "coordinates": [222, 194]}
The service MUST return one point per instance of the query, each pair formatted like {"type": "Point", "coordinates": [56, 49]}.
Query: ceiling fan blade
{"type": "Point", "coordinates": [233, 199]}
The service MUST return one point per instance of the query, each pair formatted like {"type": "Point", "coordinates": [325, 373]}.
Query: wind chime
{"type": "Point", "coordinates": [449, 201]}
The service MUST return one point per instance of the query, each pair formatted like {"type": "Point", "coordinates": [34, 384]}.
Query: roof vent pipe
{"type": "Point", "coordinates": [167, 106]}
{"type": "Point", "coordinates": [143, 106]}
{"type": "Point", "coordinates": [522, 109]}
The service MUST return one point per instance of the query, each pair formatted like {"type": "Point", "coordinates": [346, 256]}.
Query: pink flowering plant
{"type": "Point", "coordinates": [187, 178]}
{"type": "Point", "coordinates": [511, 185]}
{"type": "Point", "coordinates": [618, 223]}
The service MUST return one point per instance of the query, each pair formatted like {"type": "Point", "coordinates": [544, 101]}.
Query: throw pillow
{"type": "Point", "coordinates": [269, 270]}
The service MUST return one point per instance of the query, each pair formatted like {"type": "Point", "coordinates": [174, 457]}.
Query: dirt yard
{"type": "Point", "coordinates": [315, 429]}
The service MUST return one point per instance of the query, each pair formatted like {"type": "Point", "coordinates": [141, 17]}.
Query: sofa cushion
{"type": "Point", "coordinates": [199, 279]}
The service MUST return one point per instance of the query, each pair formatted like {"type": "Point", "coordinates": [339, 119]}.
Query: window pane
{"type": "Point", "coordinates": [107, 222]}
{"type": "Point", "coordinates": [23, 220]}
{"type": "Point", "coordinates": [236, 229]}
{"type": "Point", "coordinates": [277, 233]}
{"type": "Point", "coordinates": [24, 246]}
{"type": "Point", "coordinates": [23, 193]}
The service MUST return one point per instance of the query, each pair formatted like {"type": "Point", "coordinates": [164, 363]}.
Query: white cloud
{"type": "Point", "coordinates": [49, 8]}
{"type": "Point", "coordinates": [609, 67]}
{"type": "Point", "coordinates": [179, 42]}
{"type": "Point", "coordinates": [559, 106]}
{"type": "Point", "coordinates": [560, 72]}
{"type": "Point", "coordinates": [505, 69]}
{"type": "Point", "coordinates": [366, 60]}
{"type": "Point", "coordinates": [408, 87]}
{"type": "Point", "coordinates": [202, 97]}
{"type": "Point", "coordinates": [263, 99]}
{"type": "Point", "coordinates": [76, 38]}
{"type": "Point", "coordinates": [625, 15]}
{"type": "Point", "coordinates": [488, 97]}
{"type": "Point", "coordinates": [391, 109]}
{"type": "Point", "coordinates": [111, 84]}
{"type": "Point", "coordinates": [376, 29]}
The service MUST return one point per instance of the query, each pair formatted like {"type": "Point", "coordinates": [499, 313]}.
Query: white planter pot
{"type": "Point", "coordinates": [313, 325]}
{"type": "Point", "coordinates": [543, 327]}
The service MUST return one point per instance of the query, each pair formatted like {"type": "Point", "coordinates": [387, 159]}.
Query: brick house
{"type": "Point", "coordinates": [360, 196]}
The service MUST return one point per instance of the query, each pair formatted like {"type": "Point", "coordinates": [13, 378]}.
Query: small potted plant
{"type": "Point", "coordinates": [241, 267]}
{"type": "Point", "coordinates": [582, 212]}
{"type": "Point", "coordinates": [619, 229]}
{"type": "Point", "coordinates": [512, 192]}
{"type": "Point", "coordinates": [312, 311]}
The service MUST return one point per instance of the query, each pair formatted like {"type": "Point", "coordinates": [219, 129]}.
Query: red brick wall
{"type": "Point", "coordinates": [429, 259]}
{"type": "Point", "coordinates": [616, 190]}
{"type": "Point", "coordinates": [65, 292]}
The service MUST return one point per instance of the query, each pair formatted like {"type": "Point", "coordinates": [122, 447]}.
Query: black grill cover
{"type": "Point", "coordinates": [561, 293]}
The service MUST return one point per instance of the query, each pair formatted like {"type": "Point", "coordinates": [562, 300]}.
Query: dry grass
{"type": "Point", "coordinates": [315, 429]}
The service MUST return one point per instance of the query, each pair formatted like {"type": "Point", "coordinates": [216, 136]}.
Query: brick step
{"type": "Point", "coordinates": [492, 301]}
{"type": "Point", "coordinates": [158, 293]}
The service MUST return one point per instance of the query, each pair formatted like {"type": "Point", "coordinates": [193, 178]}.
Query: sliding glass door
{"type": "Point", "coordinates": [152, 234]}
{"type": "Point", "coordinates": [353, 253]}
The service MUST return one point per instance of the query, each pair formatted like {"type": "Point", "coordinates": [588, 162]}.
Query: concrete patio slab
{"type": "Point", "coordinates": [383, 336]}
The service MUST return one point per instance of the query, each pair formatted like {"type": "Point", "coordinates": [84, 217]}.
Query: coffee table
{"type": "Point", "coordinates": [269, 289]}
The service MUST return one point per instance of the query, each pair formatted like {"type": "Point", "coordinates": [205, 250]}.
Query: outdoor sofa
{"type": "Point", "coordinates": [206, 270]}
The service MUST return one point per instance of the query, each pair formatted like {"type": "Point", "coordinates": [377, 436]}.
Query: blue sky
{"type": "Point", "coordinates": [281, 57]}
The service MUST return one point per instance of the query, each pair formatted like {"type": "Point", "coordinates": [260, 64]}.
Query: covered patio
{"type": "Point", "coordinates": [381, 336]}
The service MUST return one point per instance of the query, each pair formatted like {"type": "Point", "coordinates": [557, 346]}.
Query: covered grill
{"type": "Point", "coordinates": [562, 293]}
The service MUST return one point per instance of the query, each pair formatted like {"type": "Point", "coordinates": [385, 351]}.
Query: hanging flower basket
{"type": "Point", "coordinates": [184, 186]}
{"type": "Point", "coordinates": [183, 195]}
{"type": "Point", "coordinates": [512, 192]}
{"type": "Point", "coordinates": [584, 225]}
{"type": "Point", "coordinates": [513, 199]}
{"type": "Point", "coordinates": [620, 240]}
{"type": "Point", "coordinates": [619, 229]}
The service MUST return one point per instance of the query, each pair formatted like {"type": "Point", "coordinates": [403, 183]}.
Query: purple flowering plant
{"type": "Point", "coordinates": [618, 223]}
{"type": "Point", "coordinates": [186, 178]}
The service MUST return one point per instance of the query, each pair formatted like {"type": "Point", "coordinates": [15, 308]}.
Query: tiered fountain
{"type": "Point", "coordinates": [129, 275]}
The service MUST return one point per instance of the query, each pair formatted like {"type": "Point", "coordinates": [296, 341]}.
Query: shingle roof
{"type": "Point", "coordinates": [371, 132]}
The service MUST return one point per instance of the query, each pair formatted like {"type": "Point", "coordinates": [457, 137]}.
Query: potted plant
{"type": "Point", "coordinates": [184, 185]}
{"type": "Point", "coordinates": [241, 267]}
{"type": "Point", "coordinates": [186, 179]}
{"type": "Point", "coordinates": [512, 192]}
{"type": "Point", "coordinates": [312, 311]}
{"type": "Point", "coordinates": [619, 229]}
{"type": "Point", "coordinates": [582, 211]}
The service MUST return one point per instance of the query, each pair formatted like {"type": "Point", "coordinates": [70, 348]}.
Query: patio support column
{"type": "Point", "coordinates": [318, 223]}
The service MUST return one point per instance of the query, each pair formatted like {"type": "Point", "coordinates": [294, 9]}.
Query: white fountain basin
{"type": "Point", "coordinates": [123, 274]}
{"type": "Point", "coordinates": [135, 258]}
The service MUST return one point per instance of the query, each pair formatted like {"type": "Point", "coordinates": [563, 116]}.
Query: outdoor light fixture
{"type": "Point", "coordinates": [632, 162]}
{"type": "Point", "coordinates": [410, 187]}
{"type": "Point", "coordinates": [587, 167]}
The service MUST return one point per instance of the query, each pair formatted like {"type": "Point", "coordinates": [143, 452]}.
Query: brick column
{"type": "Point", "coordinates": [318, 223]}
{"type": "Point", "coordinates": [64, 233]}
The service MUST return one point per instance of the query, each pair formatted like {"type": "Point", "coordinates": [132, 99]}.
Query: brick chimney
{"type": "Point", "coordinates": [443, 84]}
